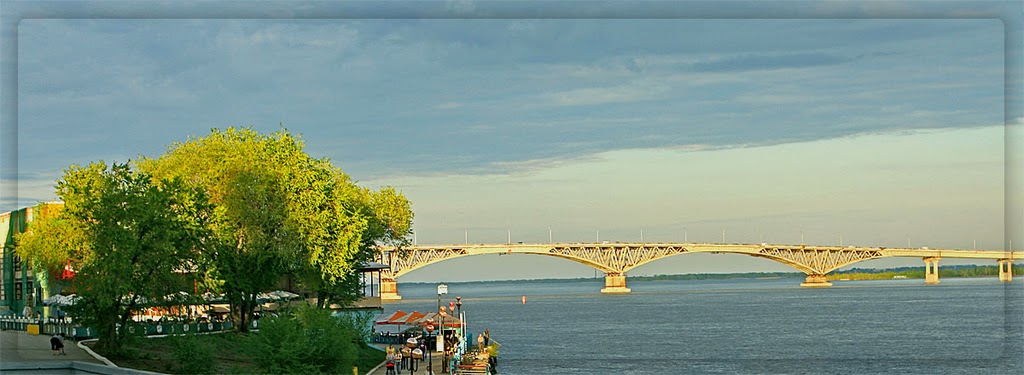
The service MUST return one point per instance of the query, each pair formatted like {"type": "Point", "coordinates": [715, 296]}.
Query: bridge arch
{"type": "Point", "coordinates": [615, 259]}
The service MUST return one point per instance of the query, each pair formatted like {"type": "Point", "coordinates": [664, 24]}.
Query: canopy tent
{"type": "Point", "coordinates": [180, 298]}
{"type": "Point", "coordinates": [395, 319]}
{"type": "Point", "coordinates": [372, 266]}
{"type": "Point", "coordinates": [413, 318]}
{"type": "Point", "coordinates": [276, 296]}
{"type": "Point", "coordinates": [219, 309]}
{"type": "Point", "coordinates": [416, 318]}
{"type": "Point", "coordinates": [449, 320]}
{"type": "Point", "coordinates": [61, 300]}
{"type": "Point", "coordinates": [283, 295]}
{"type": "Point", "coordinates": [214, 298]}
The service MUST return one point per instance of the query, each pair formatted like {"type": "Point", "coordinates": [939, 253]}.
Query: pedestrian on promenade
{"type": "Point", "coordinates": [400, 359]}
{"type": "Point", "coordinates": [57, 344]}
{"type": "Point", "coordinates": [487, 337]}
{"type": "Point", "coordinates": [480, 342]}
{"type": "Point", "coordinates": [389, 362]}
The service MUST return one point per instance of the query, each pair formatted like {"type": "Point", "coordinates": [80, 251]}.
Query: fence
{"type": "Point", "coordinates": [79, 332]}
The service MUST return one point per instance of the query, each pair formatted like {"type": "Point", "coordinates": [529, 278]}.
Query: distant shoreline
{"type": "Point", "coordinates": [852, 274]}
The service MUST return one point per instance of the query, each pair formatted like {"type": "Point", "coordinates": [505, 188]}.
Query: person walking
{"type": "Point", "coordinates": [389, 362]}
{"type": "Point", "coordinates": [400, 359]}
{"type": "Point", "coordinates": [60, 316]}
{"type": "Point", "coordinates": [480, 342]}
{"type": "Point", "coordinates": [487, 337]}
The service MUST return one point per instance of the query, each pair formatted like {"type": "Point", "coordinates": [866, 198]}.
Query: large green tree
{"type": "Point", "coordinates": [134, 239]}
{"type": "Point", "coordinates": [280, 212]}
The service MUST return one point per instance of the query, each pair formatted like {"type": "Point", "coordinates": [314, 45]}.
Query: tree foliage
{"type": "Point", "coordinates": [134, 239]}
{"type": "Point", "coordinates": [280, 211]}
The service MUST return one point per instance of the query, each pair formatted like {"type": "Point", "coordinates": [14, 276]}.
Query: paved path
{"type": "Point", "coordinates": [17, 346]}
{"type": "Point", "coordinates": [420, 371]}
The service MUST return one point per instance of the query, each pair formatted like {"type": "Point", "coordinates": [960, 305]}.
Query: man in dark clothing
{"type": "Point", "coordinates": [57, 344]}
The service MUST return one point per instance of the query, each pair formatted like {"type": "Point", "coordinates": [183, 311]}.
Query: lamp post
{"type": "Point", "coordinates": [444, 351]}
{"type": "Point", "coordinates": [462, 328]}
{"type": "Point", "coordinates": [439, 344]}
{"type": "Point", "coordinates": [430, 357]}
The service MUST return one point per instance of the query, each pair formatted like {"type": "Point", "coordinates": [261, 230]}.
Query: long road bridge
{"type": "Point", "coordinates": [615, 259]}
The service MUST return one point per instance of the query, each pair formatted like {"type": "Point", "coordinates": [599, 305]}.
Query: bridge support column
{"type": "Point", "coordinates": [931, 270]}
{"type": "Point", "coordinates": [389, 290]}
{"type": "Point", "coordinates": [615, 283]}
{"type": "Point", "coordinates": [1006, 270]}
{"type": "Point", "coordinates": [816, 281]}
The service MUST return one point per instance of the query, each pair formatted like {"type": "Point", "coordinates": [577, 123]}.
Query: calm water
{"type": "Point", "coordinates": [744, 326]}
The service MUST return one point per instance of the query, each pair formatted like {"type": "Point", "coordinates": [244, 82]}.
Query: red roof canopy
{"type": "Point", "coordinates": [418, 319]}
{"type": "Point", "coordinates": [395, 318]}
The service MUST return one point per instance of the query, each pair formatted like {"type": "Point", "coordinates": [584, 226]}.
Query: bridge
{"type": "Point", "coordinates": [615, 259]}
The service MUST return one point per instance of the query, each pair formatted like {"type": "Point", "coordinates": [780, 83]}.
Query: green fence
{"type": "Point", "coordinates": [78, 332]}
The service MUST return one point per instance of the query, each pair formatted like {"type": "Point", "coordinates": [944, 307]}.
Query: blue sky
{"type": "Point", "coordinates": [839, 120]}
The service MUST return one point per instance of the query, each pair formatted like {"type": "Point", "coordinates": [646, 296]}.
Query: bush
{"type": "Point", "coordinates": [192, 356]}
{"type": "Point", "coordinates": [308, 341]}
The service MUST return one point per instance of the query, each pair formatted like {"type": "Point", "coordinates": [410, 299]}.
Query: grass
{"type": "Point", "coordinates": [229, 351]}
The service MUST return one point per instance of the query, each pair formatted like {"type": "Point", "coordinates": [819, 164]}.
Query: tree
{"type": "Point", "coordinates": [49, 243]}
{"type": "Point", "coordinates": [134, 238]}
{"type": "Point", "coordinates": [388, 220]}
{"type": "Point", "coordinates": [279, 212]}
{"type": "Point", "coordinates": [248, 177]}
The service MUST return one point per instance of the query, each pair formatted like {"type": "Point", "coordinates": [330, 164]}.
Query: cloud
{"type": "Point", "coordinates": [449, 105]}
{"type": "Point", "coordinates": [606, 95]}
{"type": "Point", "coordinates": [768, 62]}
{"type": "Point", "coordinates": [490, 95]}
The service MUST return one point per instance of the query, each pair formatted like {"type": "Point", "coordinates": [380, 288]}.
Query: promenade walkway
{"type": "Point", "coordinates": [16, 346]}
{"type": "Point", "coordinates": [420, 371]}
{"type": "Point", "coordinates": [437, 360]}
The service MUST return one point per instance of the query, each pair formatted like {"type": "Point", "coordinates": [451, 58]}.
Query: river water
{"type": "Point", "coordinates": [744, 326]}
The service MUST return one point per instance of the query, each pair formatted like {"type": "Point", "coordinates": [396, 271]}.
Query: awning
{"type": "Point", "coordinates": [416, 318]}
{"type": "Point", "coordinates": [395, 318]}
{"type": "Point", "coordinates": [413, 318]}
{"type": "Point", "coordinates": [449, 321]}
{"type": "Point", "coordinates": [372, 266]}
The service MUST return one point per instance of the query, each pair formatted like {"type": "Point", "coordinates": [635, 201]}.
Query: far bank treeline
{"type": "Point", "coordinates": [851, 274]}
{"type": "Point", "coordinates": [233, 212]}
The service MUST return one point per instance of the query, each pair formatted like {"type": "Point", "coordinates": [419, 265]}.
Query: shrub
{"type": "Point", "coordinates": [309, 340]}
{"type": "Point", "coordinates": [192, 356]}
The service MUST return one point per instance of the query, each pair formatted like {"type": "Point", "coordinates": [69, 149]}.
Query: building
{"type": "Point", "coordinates": [18, 285]}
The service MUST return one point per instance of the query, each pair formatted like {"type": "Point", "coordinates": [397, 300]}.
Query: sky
{"type": "Point", "coordinates": [872, 124]}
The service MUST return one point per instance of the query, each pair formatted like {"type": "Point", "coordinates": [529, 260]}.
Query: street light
{"type": "Point", "coordinates": [444, 351]}
{"type": "Point", "coordinates": [441, 289]}
{"type": "Point", "coordinates": [430, 357]}
{"type": "Point", "coordinates": [458, 304]}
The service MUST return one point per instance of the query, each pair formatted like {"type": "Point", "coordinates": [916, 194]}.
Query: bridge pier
{"type": "Point", "coordinates": [931, 270]}
{"type": "Point", "coordinates": [1006, 270]}
{"type": "Point", "coordinates": [389, 290]}
{"type": "Point", "coordinates": [615, 283]}
{"type": "Point", "coordinates": [816, 281]}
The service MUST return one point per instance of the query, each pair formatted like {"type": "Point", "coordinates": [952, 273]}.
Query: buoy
{"type": "Point", "coordinates": [524, 300]}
